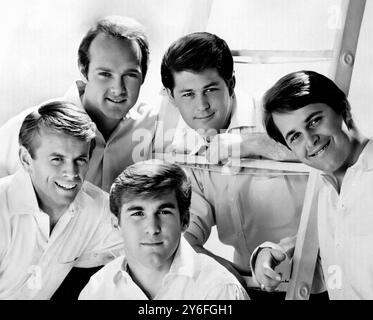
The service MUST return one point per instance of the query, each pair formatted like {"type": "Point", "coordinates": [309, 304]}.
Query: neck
{"type": "Point", "coordinates": [358, 143]}
{"type": "Point", "coordinates": [53, 213]}
{"type": "Point", "coordinates": [148, 279]}
{"type": "Point", "coordinates": [105, 125]}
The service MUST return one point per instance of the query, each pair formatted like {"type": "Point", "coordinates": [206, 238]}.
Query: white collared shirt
{"type": "Point", "coordinates": [33, 261]}
{"type": "Point", "coordinates": [187, 140]}
{"type": "Point", "coordinates": [192, 276]}
{"type": "Point", "coordinates": [345, 224]}
{"type": "Point", "coordinates": [130, 142]}
{"type": "Point", "coordinates": [247, 207]}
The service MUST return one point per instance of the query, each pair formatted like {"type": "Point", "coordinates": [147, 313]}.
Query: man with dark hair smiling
{"type": "Point", "coordinates": [151, 200]}
{"type": "Point", "coordinates": [51, 220]}
{"type": "Point", "coordinates": [198, 74]}
{"type": "Point", "coordinates": [309, 114]}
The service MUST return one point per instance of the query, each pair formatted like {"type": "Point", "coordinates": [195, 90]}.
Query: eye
{"type": "Point", "coordinates": [294, 137]}
{"type": "Point", "coordinates": [314, 122]}
{"type": "Point", "coordinates": [211, 90]}
{"type": "Point", "coordinates": [187, 94]}
{"type": "Point", "coordinates": [132, 75]}
{"type": "Point", "coordinates": [137, 214]}
{"type": "Point", "coordinates": [82, 161]}
{"type": "Point", "coordinates": [164, 212]}
{"type": "Point", "coordinates": [56, 160]}
{"type": "Point", "coordinates": [104, 74]}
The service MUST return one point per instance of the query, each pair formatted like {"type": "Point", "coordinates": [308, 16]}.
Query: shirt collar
{"type": "Point", "coordinates": [22, 197]}
{"type": "Point", "coordinates": [75, 92]}
{"type": "Point", "coordinates": [365, 160]}
{"type": "Point", "coordinates": [364, 163]}
{"type": "Point", "coordinates": [21, 194]}
{"type": "Point", "coordinates": [190, 141]}
{"type": "Point", "coordinates": [184, 264]}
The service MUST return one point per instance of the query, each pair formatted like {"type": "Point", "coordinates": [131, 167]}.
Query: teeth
{"type": "Point", "coordinates": [321, 150]}
{"type": "Point", "coordinates": [66, 186]}
{"type": "Point", "coordinates": [116, 101]}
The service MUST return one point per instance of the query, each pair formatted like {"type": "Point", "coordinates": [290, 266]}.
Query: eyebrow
{"type": "Point", "coordinates": [305, 121]}
{"type": "Point", "coordinates": [211, 84]}
{"type": "Point", "coordinates": [135, 208]}
{"type": "Point", "coordinates": [111, 70]}
{"type": "Point", "coordinates": [56, 154]}
{"type": "Point", "coordinates": [167, 205]}
{"type": "Point", "coordinates": [162, 206]}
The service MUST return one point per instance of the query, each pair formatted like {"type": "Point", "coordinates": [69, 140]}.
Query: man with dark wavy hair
{"type": "Point", "coordinates": [309, 114]}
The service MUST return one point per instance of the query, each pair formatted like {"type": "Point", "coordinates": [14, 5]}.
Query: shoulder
{"type": "Point", "coordinates": [109, 270]}
{"type": "Point", "coordinates": [5, 184]}
{"type": "Point", "coordinates": [14, 123]}
{"type": "Point", "coordinates": [102, 285]}
{"type": "Point", "coordinates": [213, 272]}
{"type": "Point", "coordinates": [143, 109]}
{"type": "Point", "coordinates": [94, 198]}
{"type": "Point", "coordinates": [216, 281]}
{"type": "Point", "coordinates": [94, 192]}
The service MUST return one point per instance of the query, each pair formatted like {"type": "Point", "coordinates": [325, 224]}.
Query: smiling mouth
{"type": "Point", "coordinates": [117, 100]}
{"type": "Point", "coordinates": [66, 186]}
{"type": "Point", "coordinates": [205, 117]}
{"type": "Point", "coordinates": [152, 244]}
{"type": "Point", "coordinates": [320, 151]}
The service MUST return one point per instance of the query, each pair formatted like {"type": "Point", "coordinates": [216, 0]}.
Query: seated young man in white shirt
{"type": "Point", "coordinates": [246, 208]}
{"type": "Point", "coordinates": [309, 114]}
{"type": "Point", "coordinates": [51, 220]}
{"type": "Point", "coordinates": [151, 200]}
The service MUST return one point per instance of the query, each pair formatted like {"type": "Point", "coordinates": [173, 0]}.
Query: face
{"type": "Point", "coordinates": [58, 169]}
{"type": "Point", "coordinates": [203, 99]}
{"type": "Point", "coordinates": [151, 229]}
{"type": "Point", "coordinates": [317, 135]}
{"type": "Point", "coordinates": [114, 77]}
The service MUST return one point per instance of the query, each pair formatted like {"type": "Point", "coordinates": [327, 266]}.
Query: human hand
{"type": "Point", "coordinates": [267, 259]}
{"type": "Point", "coordinates": [223, 146]}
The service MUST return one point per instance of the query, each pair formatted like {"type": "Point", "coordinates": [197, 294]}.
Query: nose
{"type": "Point", "coordinates": [71, 170]}
{"type": "Point", "coordinates": [118, 87]}
{"type": "Point", "coordinates": [202, 103]}
{"type": "Point", "coordinates": [312, 139]}
{"type": "Point", "coordinates": [153, 226]}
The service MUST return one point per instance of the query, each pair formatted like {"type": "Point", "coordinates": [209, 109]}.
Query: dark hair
{"type": "Point", "coordinates": [59, 116]}
{"type": "Point", "coordinates": [119, 27]}
{"type": "Point", "coordinates": [197, 52]}
{"type": "Point", "coordinates": [297, 90]}
{"type": "Point", "coordinates": [152, 178]}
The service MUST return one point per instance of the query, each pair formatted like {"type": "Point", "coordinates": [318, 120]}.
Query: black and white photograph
{"type": "Point", "coordinates": [198, 152]}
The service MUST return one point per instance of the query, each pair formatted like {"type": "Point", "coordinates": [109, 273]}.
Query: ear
{"type": "Point", "coordinates": [185, 222]}
{"type": "Point", "coordinates": [231, 84]}
{"type": "Point", "coordinates": [348, 119]}
{"type": "Point", "coordinates": [170, 94]}
{"type": "Point", "coordinates": [25, 158]}
{"type": "Point", "coordinates": [83, 73]}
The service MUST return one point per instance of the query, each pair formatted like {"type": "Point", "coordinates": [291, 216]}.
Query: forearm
{"type": "Point", "coordinates": [259, 144]}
